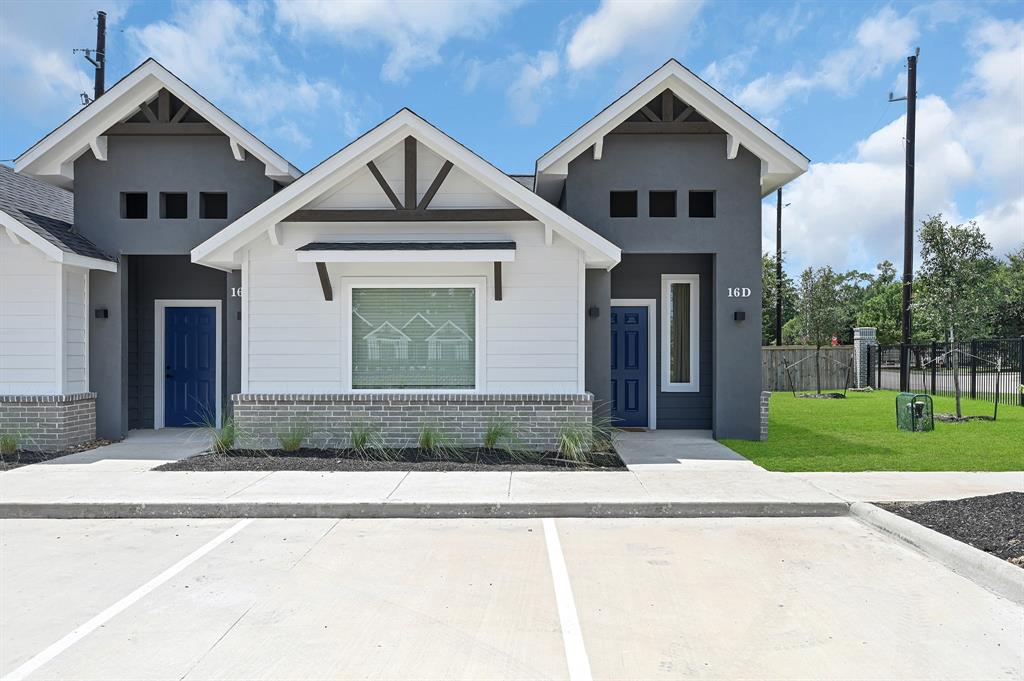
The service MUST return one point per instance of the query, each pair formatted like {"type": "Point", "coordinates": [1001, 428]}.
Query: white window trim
{"type": "Point", "coordinates": [159, 310]}
{"type": "Point", "coordinates": [693, 385]}
{"type": "Point", "coordinates": [652, 352]}
{"type": "Point", "coordinates": [478, 284]}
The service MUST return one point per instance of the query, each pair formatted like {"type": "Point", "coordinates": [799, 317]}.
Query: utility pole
{"type": "Point", "coordinates": [97, 57]}
{"type": "Point", "coordinates": [778, 267]}
{"type": "Point", "coordinates": [908, 217]}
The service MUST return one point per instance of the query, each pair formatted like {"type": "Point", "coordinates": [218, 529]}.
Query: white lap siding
{"type": "Point", "coordinates": [76, 335]}
{"type": "Point", "coordinates": [532, 339]}
{"type": "Point", "coordinates": [30, 287]}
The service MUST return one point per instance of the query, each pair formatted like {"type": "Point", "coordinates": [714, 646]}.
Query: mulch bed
{"type": "Point", "coordinates": [823, 396]}
{"type": "Point", "coordinates": [993, 523]}
{"type": "Point", "coordinates": [401, 460]}
{"type": "Point", "coordinates": [951, 418]}
{"type": "Point", "coordinates": [25, 458]}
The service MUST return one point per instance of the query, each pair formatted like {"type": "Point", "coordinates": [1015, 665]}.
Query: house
{"type": "Point", "coordinates": [405, 279]}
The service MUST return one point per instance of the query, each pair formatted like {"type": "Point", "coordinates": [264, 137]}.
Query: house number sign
{"type": "Point", "coordinates": [738, 292]}
{"type": "Point", "coordinates": [236, 291]}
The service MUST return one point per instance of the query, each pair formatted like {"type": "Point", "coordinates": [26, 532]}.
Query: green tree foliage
{"type": "Point", "coordinates": [957, 277]}
{"type": "Point", "coordinates": [768, 294]}
{"type": "Point", "coordinates": [1007, 319]}
{"type": "Point", "coordinates": [821, 310]}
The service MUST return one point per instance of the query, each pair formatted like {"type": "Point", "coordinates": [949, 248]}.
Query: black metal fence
{"type": "Point", "coordinates": [987, 369]}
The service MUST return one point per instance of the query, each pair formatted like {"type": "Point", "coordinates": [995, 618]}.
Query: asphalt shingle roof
{"type": "Point", "coordinates": [46, 210]}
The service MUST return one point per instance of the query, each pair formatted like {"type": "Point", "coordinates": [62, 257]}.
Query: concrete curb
{"type": "Point", "coordinates": [682, 509]}
{"type": "Point", "coordinates": [995, 574]}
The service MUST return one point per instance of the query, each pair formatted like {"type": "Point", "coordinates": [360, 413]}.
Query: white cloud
{"type": "Point", "coordinates": [40, 75]}
{"type": "Point", "coordinates": [850, 214]}
{"type": "Point", "coordinates": [880, 41]}
{"type": "Point", "coordinates": [534, 76]}
{"type": "Point", "coordinates": [414, 32]}
{"type": "Point", "coordinates": [222, 50]}
{"type": "Point", "coordinates": [635, 25]}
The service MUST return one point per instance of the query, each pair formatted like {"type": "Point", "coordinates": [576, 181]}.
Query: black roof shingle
{"type": "Point", "coordinates": [46, 210]}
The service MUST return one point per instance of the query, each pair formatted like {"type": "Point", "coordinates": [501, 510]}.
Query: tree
{"type": "Point", "coordinates": [883, 311]}
{"type": "Point", "coordinates": [956, 279]}
{"type": "Point", "coordinates": [1008, 312]}
{"type": "Point", "coordinates": [821, 311]}
{"type": "Point", "coordinates": [768, 294]}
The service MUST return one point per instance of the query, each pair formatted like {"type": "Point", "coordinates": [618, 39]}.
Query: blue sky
{"type": "Point", "coordinates": [511, 79]}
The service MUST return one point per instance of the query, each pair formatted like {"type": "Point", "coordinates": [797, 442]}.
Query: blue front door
{"type": "Point", "coordinates": [190, 366]}
{"type": "Point", "coordinates": [629, 366]}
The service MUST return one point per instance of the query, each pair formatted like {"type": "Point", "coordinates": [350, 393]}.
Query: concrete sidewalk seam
{"type": "Point", "coordinates": [991, 572]}
{"type": "Point", "coordinates": [406, 509]}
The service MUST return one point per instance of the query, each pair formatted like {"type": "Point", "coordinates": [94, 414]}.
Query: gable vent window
{"type": "Point", "coordinates": [702, 204]}
{"type": "Point", "coordinates": [623, 204]}
{"type": "Point", "coordinates": [662, 204]}
{"type": "Point", "coordinates": [173, 205]}
{"type": "Point", "coordinates": [134, 205]}
{"type": "Point", "coordinates": [213, 205]}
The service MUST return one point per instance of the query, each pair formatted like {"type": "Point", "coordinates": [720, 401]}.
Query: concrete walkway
{"type": "Point", "coordinates": [676, 450]}
{"type": "Point", "coordinates": [914, 486]}
{"type": "Point", "coordinates": [671, 474]}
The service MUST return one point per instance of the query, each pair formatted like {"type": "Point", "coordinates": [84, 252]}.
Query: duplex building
{"type": "Point", "coordinates": [402, 280]}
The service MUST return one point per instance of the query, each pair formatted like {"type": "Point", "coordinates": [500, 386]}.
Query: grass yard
{"type": "Point", "coordinates": [859, 434]}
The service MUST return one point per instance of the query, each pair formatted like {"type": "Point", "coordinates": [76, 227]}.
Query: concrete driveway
{"type": "Point", "coordinates": [779, 598]}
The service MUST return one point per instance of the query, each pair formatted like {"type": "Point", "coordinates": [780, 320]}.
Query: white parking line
{"type": "Point", "coordinates": [99, 620]}
{"type": "Point", "coordinates": [572, 634]}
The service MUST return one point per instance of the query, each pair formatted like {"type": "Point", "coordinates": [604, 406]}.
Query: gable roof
{"type": "Point", "coordinates": [219, 250]}
{"type": "Point", "coordinates": [780, 161]}
{"type": "Point", "coordinates": [52, 158]}
{"type": "Point", "coordinates": [43, 215]}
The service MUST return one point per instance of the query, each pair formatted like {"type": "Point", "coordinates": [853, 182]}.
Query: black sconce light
{"type": "Point", "coordinates": [102, 313]}
{"type": "Point", "coordinates": [593, 312]}
{"type": "Point", "coordinates": [739, 315]}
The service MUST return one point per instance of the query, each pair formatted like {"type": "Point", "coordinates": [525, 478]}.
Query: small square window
{"type": "Point", "coordinates": [173, 205]}
{"type": "Point", "coordinates": [662, 204]}
{"type": "Point", "coordinates": [623, 204]}
{"type": "Point", "coordinates": [213, 205]}
{"type": "Point", "coordinates": [134, 205]}
{"type": "Point", "coordinates": [702, 204]}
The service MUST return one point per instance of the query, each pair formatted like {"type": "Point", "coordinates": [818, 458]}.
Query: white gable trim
{"type": "Point", "coordinates": [52, 158]}
{"type": "Point", "coordinates": [781, 162]}
{"type": "Point", "coordinates": [17, 231]}
{"type": "Point", "coordinates": [222, 248]}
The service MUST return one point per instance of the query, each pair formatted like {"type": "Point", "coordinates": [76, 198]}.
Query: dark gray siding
{"type": "Point", "coordinates": [121, 356]}
{"type": "Point", "coordinates": [729, 245]}
{"type": "Point", "coordinates": [639, 276]}
{"type": "Point", "coordinates": [162, 163]}
{"type": "Point", "coordinates": [598, 338]}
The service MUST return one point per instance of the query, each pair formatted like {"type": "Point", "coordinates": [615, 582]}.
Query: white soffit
{"type": "Point", "coordinates": [52, 158]}
{"type": "Point", "coordinates": [781, 162]}
{"type": "Point", "coordinates": [222, 248]}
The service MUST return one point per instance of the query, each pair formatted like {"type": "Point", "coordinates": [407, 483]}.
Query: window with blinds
{"type": "Point", "coordinates": [413, 338]}
{"type": "Point", "coordinates": [680, 333]}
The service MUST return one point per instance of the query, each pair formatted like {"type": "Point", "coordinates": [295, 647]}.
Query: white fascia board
{"type": "Point", "coordinates": [710, 103]}
{"type": "Point", "coordinates": [52, 252]}
{"type": "Point", "coordinates": [220, 248]}
{"type": "Point", "coordinates": [496, 255]}
{"type": "Point", "coordinates": [78, 133]}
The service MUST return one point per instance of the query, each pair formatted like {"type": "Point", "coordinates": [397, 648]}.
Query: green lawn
{"type": "Point", "coordinates": [859, 434]}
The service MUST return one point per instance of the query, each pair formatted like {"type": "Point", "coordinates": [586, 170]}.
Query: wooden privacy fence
{"type": "Point", "coordinates": [835, 362]}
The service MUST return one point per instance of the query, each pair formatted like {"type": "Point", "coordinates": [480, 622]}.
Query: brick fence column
{"type": "Point", "coordinates": [765, 397]}
{"type": "Point", "coordinates": [863, 338]}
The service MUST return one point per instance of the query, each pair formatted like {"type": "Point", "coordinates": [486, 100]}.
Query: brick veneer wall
{"type": "Point", "coordinates": [49, 423]}
{"type": "Point", "coordinates": [765, 396]}
{"type": "Point", "coordinates": [399, 417]}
